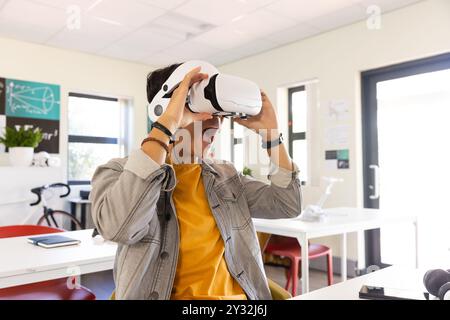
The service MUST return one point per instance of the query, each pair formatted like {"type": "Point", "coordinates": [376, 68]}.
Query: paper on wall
{"type": "Point", "coordinates": [338, 110]}
{"type": "Point", "coordinates": [331, 164]}
{"type": "Point", "coordinates": [337, 135]}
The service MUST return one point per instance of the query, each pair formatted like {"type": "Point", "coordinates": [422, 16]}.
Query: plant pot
{"type": "Point", "coordinates": [21, 156]}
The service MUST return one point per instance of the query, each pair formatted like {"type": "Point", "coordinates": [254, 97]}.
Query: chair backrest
{"type": "Point", "coordinates": [263, 239]}
{"type": "Point", "coordinates": [25, 230]}
{"type": "Point", "coordinates": [278, 292]}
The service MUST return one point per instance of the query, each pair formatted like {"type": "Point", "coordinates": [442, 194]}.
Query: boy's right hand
{"type": "Point", "coordinates": [177, 115]}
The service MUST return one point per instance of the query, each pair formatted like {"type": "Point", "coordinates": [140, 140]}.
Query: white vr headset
{"type": "Point", "coordinates": [220, 94]}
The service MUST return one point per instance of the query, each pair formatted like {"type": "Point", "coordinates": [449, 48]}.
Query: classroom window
{"type": "Point", "coordinates": [297, 127]}
{"type": "Point", "coordinates": [96, 132]}
{"type": "Point", "coordinates": [237, 146]}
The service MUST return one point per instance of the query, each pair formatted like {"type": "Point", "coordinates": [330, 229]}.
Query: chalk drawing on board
{"type": "Point", "coordinates": [32, 100]}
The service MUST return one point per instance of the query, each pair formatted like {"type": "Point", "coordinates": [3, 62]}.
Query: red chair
{"type": "Point", "coordinates": [46, 290]}
{"type": "Point", "coordinates": [290, 248]}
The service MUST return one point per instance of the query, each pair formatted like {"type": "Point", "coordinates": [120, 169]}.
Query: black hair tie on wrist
{"type": "Point", "coordinates": [166, 131]}
{"type": "Point", "coordinates": [273, 143]}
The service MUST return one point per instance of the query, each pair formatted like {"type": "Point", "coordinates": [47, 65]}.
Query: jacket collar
{"type": "Point", "coordinates": [205, 163]}
{"type": "Point", "coordinates": [207, 166]}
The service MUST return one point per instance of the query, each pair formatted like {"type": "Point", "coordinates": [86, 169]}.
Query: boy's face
{"type": "Point", "coordinates": [208, 131]}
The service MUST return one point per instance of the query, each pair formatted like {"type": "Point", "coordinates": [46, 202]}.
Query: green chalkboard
{"type": "Point", "coordinates": [26, 99]}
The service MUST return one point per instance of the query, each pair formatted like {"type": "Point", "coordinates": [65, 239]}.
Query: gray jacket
{"type": "Point", "coordinates": [132, 205]}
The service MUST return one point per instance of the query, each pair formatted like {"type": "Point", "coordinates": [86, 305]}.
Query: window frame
{"type": "Point", "coordinates": [369, 103]}
{"type": "Point", "coordinates": [293, 136]}
{"type": "Point", "coordinates": [234, 140]}
{"type": "Point", "coordinates": [88, 139]}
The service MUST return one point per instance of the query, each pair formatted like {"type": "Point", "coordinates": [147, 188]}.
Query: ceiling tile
{"type": "Point", "coordinates": [249, 49]}
{"type": "Point", "coordinates": [30, 21]}
{"type": "Point", "coordinates": [181, 26]}
{"type": "Point", "coordinates": [190, 50]}
{"type": "Point", "coordinates": [121, 52]}
{"type": "Point", "coordinates": [298, 32]}
{"type": "Point", "coordinates": [218, 12]}
{"type": "Point", "coordinates": [253, 26]}
{"type": "Point", "coordinates": [140, 44]}
{"type": "Point", "coordinates": [301, 11]}
{"type": "Point", "coordinates": [255, 47]}
{"type": "Point", "coordinates": [339, 18]}
{"type": "Point", "coordinates": [262, 23]}
{"type": "Point", "coordinates": [387, 5]}
{"type": "Point", "coordinates": [64, 4]}
{"type": "Point", "coordinates": [224, 37]}
{"type": "Point", "coordinates": [160, 60]}
{"type": "Point", "coordinates": [92, 36]}
{"type": "Point", "coordinates": [133, 14]}
{"type": "Point", "coordinates": [164, 4]}
{"type": "Point", "coordinates": [225, 57]}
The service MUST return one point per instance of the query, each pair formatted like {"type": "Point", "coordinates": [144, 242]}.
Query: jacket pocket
{"type": "Point", "coordinates": [134, 282]}
{"type": "Point", "coordinates": [234, 204]}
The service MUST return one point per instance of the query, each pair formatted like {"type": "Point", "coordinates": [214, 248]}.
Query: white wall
{"type": "Point", "coordinates": [336, 59]}
{"type": "Point", "coordinates": [77, 72]}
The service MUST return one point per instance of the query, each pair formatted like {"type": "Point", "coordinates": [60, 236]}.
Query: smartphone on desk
{"type": "Point", "coordinates": [383, 293]}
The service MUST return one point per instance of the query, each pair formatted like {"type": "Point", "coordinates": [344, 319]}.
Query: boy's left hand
{"type": "Point", "coordinates": [266, 119]}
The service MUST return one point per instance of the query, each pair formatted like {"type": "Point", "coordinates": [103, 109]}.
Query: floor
{"type": "Point", "coordinates": [102, 283]}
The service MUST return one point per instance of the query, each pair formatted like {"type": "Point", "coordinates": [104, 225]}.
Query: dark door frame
{"type": "Point", "coordinates": [369, 80]}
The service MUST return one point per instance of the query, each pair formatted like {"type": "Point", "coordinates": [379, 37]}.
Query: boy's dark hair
{"type": "Point", "coordinates": [156, 79]}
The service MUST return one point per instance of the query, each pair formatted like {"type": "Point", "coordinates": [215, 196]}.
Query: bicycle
{"type": "Point", "coordinates": [50, 216]}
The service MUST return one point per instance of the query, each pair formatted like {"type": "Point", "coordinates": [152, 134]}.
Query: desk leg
{"type": "Point", "coordinates": [73, 211]}
{"type": "Point", "coordinates": [416, 231]}
{"type": "Point", "coordinates": [303, 241]}
{"type": "Point", "coordinates": [83, 215]}
{"type": "Point", "coordinates": [343, 257]}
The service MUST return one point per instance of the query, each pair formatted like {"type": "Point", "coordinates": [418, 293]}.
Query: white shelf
{"type": "Point", "coordinates": [15, 186]}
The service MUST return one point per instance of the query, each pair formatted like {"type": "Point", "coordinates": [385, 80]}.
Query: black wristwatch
{"type": "Point", "coordinates": [166, 131]}
{"type": "Point", "coordinates": [273, 143]}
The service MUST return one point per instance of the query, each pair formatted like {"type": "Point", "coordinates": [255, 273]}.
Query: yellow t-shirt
{"type": "Point", "coordinates": [201, 271]}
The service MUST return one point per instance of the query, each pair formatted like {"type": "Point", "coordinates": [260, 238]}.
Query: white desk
{"type": "Point", "coordinates": [340, 221]}
{"type": "Point", "coordinates": [22, 262]}
{"type": "Point", "coordinates": [391, 277]}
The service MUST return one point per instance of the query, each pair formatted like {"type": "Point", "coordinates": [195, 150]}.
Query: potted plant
{"type": "Point", "coordinates": [21, 142]}
{"type": "Point", "coordinates": [247, 171]}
